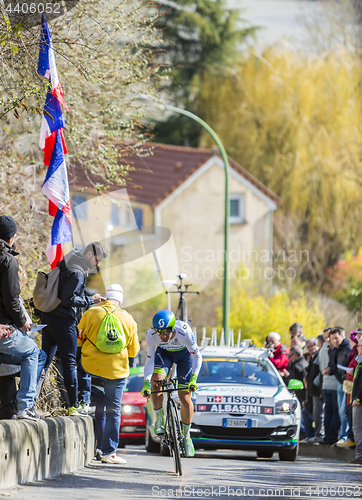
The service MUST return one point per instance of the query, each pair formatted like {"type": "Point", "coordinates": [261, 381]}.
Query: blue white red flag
{"type": "Point", "coordinates": [56, 186]}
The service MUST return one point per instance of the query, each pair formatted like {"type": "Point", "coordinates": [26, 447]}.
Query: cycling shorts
{"type": "Point", "coordinates": [183, 360]}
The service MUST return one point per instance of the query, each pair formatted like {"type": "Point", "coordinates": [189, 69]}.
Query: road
{"type": "Point", "coordinates": [221, 475]}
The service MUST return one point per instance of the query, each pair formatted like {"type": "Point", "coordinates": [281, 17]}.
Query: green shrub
{"type": "Point", "coordinates": [258, 315]}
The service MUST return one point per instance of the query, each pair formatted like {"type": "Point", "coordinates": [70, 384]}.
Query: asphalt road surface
{"type": "Point", "coordinates": [216, 475]}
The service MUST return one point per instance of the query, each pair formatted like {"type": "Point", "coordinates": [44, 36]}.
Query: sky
{"type": "Point", "coordinates": [280, 20]}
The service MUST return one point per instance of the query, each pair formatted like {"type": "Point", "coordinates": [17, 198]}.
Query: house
{"type": "Point", "coordinates": [173, 212]}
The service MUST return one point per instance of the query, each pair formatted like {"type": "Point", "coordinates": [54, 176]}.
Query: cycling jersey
{"type": "Point", "coordinates": [182, 340]}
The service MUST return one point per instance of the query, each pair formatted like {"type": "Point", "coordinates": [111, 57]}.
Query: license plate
{"type": "Point", "coordinates": [236, 422]}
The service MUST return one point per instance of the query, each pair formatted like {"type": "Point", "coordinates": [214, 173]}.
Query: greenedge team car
{"type": "Point", "coordinates": [243, 403]}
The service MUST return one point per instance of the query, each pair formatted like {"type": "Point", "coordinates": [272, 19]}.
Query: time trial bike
{"type": "Point", "coordinates": [172, 439]}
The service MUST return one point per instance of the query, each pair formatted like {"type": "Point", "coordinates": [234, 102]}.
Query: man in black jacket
{"type": "Point", "coordinates": [356, 398]}
{"type": "Point", "coordinates": [61, 332]}
{"type": "Point", "coordinates": [314, 398]}
{"type": "Point", "coordinates": [342, 349]}
{"type": "Point", "coordinates": [298, 369]}
{"type": "Point", "coordinates": [16, 348]}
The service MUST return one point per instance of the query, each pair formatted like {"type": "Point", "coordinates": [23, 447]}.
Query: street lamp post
{"type": "Point", "coordinates": [226, 287]}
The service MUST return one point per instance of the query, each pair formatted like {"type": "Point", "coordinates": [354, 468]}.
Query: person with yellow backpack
{"type": "Point", "coordinates": [108, 337]}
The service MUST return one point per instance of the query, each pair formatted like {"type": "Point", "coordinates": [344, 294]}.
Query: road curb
{"type": "Point", "coordinates": [32, 451]}
{"type": "Point", "coordinates": [325, 451]}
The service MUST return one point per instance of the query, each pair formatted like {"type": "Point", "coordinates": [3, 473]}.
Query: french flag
{"type": "Point", "coordinates": [56, 186]}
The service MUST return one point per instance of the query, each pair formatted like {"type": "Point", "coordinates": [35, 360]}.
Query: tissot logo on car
{"type": "Point", "coordinates": [252, 400]}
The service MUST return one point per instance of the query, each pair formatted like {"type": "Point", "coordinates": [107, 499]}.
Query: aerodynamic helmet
{"type": "Point", "coordinates": [164, 321]}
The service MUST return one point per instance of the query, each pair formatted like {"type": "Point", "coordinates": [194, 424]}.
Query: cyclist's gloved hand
{"type": "Point", "coordinates": [192, 386]}
{"type": "Point", "coordinates": [146, 389]}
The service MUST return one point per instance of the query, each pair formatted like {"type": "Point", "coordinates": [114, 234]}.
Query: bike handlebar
{"type": "Point", "coordinates": [165, 383]}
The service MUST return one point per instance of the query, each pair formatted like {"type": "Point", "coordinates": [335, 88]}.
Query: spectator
{"type": "Point", "coordinates": [296, 341]}
{"type": "Point", "coordinates": [314, 398]}
{"type": "Point", "coordinates": [357, 406]}
{"type": "Point", "coordinates": [109, 369]}
{"type": "Point", "coordinates": [351, 363]}
{"type": "Point", "coordinates": [320, 341]}
{"type": "Point", "coordinates": [8, 391]}
{"type": "Point", "coordinates": [279, 353]}
{"type": "Point", "coordinates": [343, 348]}
{"type": "Point", "coordinates": [140, 359]}
{"type": "Point", "coordinates": [16, 348]}
{"type": "Point", "coordinates": [61, 332]}
{"type": "Point", "coordinates": [298, 369]}
{"type": "Point", "coordinates": [297, 329]}
{"type": "Point", "coordinates": [329, 390]}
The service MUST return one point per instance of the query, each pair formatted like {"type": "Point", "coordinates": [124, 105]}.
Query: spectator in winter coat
{"type": "Point", "coordinates": [332, 421]}
{"type": "Point", "coordinates": [351, 363]}
{"type": "Point", "coordinates": [314, 399]}
{"type": "Point", "coordinates": [357, 405]}
{"type": "Point", "coordinates": [279, 355]}
{"type": "Point", "coordinates": [343, 348]}
{"type": "Point", "coordinates": [16, 348]}
{"type": "Point", "coordinates": [61, 332]}
{"type": "Point", "coordinates": [298, 369]}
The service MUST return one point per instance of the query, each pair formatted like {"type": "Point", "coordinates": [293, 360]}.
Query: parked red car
{"type": "Point", "coordinates": [133, 421]}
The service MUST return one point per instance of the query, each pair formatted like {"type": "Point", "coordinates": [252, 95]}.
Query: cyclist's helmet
{"type": "Point", "coordinates": [164, 322]}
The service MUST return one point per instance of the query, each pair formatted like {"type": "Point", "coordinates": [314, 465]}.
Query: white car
{"type": "Point", "coordinates": [243, 403]}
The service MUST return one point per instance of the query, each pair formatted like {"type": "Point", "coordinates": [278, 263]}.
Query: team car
{"type": "Point", "coordinates": [132, 425]}
{"type": "Point", "coordinates": [241, 403]}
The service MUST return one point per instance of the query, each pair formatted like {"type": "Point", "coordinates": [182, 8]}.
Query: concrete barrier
{"type": "Point", "coordinates": [31, 451]}
{"type": "Point", "coordinates": [322, 451]}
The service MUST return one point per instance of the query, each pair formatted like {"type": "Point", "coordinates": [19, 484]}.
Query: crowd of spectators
{"type": "Point", "coordinates": [330, 367]}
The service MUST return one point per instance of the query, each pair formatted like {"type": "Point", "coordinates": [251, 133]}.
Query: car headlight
{"type": "Point", "coordinates": [286, 406]}
{"type": "Point", "coordinates": [129, 409]}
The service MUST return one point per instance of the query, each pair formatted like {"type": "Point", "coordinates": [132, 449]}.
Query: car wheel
{"type": "Point", "coordinates": [289, 455]}
{"type": "Point", "coordinates": [151, 445]}
{"type": "Point", "coordinates": [264, 453]}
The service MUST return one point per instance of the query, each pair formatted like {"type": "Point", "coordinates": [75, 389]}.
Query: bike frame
{"type": "Point", "coordinates": [182, 289]}
{"type": "Point", "coordinates": [173, 434]}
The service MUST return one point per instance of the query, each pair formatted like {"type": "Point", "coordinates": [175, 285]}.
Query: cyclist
{"type": "Point", "coordinates": [172, 341]}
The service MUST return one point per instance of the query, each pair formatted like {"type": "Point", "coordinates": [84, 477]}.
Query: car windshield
{"type": "Point", "coordinates": [134, 383]}
{"type": "Point", "coordinates": [237, 371]}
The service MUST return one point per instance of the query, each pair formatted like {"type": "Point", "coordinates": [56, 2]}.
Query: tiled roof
{"type": "Point", "coordinates": [157, 176]}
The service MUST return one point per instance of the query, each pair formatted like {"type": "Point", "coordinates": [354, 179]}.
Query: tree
{"type": "Point", "coordinates": [198, 36]}
{"type": "Point", "coordinates": [256, 316]}
{"type": "Point", "coordinates": [294, 121]}
{"type": "Point", "coordinates": [105, 56]}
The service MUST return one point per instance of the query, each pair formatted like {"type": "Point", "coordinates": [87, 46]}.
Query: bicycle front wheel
{"type": "Point", "coordinates": [175, 435]}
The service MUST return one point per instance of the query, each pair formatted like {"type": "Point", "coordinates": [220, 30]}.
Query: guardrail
{"type": "Point", "coordinates": [31, 451]}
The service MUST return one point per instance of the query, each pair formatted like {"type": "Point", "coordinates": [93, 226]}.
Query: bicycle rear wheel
{"type": "Point", "coordinates": [175, 435]}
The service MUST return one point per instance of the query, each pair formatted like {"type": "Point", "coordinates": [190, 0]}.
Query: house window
{"type": "Point", "coordinates": [138, 215]}
{"type": "Point", "coordinates": [81, 212]}
{"type": "Point", "coordinates": [115, 211]}
{"type": "Point", "coordinates": [237, 209]}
